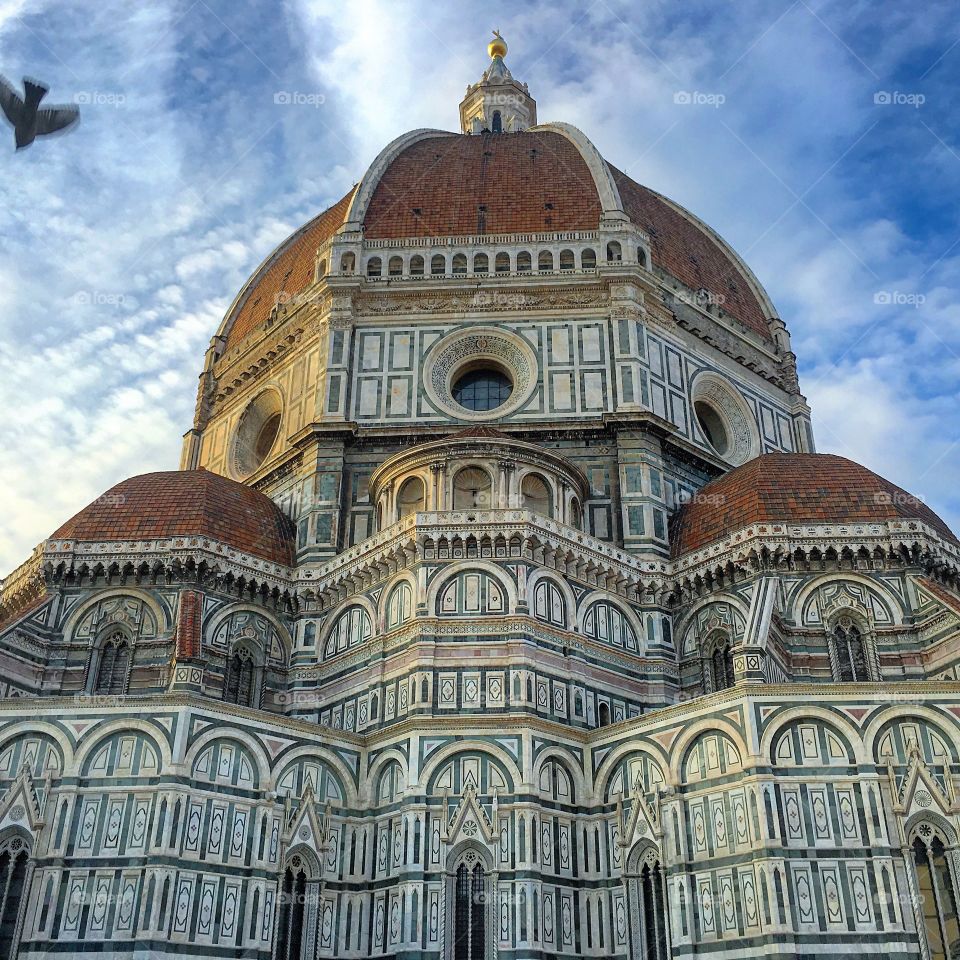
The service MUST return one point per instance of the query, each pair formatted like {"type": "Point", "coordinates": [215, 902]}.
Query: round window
{"type": "Point", "coordinates": [256, 433]}
{"type": "Point", "coordinates": [713, 427]}
{"type": "Point", "coordinates": [266, 437]}
{"type": "Point", "coordinates": [482, 388]}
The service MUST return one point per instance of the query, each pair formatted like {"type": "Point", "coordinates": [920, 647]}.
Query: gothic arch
{"type": "Point", "coordinates": [623, 608]}
{"type": "Point", "coordinates": [450, 750]}
{"type": "Point", "coordinates": [224, 614]}
{"type": "Point", "coordinates": [569, 598]}
{"type": "Point", "coordinates": [357, 601]}
{"type": "Point", "coordinates": [253, 746]}
{"type": "Point", "coordinates": [684, 630]}
{"type": "Point", "coordinates": [348, 778]}
{"type": "Point", "coordinates": [681, 746]}
{"type": "Point", "coordinates": [467, 566]}
{"type": "Point", "coordinates": [368, 791]}
{"type": "Point", "coordinates": [163, 620]}
{"type": "Point", "coordinates": [602, 777]}
{"type": "Point", "coordinates": [572, 769]}
{"type": "Point", "coordinates": [805, 595]}
{"type": "Point", "coordinates": [387, 592]}
{"type": "Point", "coordinates": [849, 733]}
{"type": "Point", "coordinates": [943, 722]}
{"type": "Point", "coordinates": [153, 732]}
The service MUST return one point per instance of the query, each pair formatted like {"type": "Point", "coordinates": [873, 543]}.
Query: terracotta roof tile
{"type": "Point", "coordinates": [289, 272]}
{"type": "Point", "coordinates": [531, 182]}
{"type": "Point", "coordinates": [186, 503]}
{"type": "Point", "coordinates": [794, 488]}
{"type": "Point", "coordinates": [681, 248]}
{"type": "Point", "coordinates": [525, 182]}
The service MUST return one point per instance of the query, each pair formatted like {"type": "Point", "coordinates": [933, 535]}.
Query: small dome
{"type": "Point", "coordinates": [792, 488]}
{"type": "Point", "coordinates": [186, 503]}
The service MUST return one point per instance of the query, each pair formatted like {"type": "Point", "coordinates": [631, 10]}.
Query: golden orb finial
{"type": "Point", "coordinates": [497, 47]}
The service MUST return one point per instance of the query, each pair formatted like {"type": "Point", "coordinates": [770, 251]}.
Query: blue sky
{"type": "Point", "coordinates": [826, 152]}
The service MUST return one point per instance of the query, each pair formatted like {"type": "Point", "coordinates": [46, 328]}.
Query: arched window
{"type": "Point", "coordinates": [113, 665]}
{"type": "Point", "coordinates": [469, 930]}
{"type": "Point", "coordinates": [481, 263]}
{"type": "Point", "coordinates": [849, 652]}
{"type": "Point", "coordinates": [501, 263]}
{"type": "Point", "coordinates": [347, 263]}
{"type": "Point", "coordinates": [524, 262]}
{"type": "Point", "coordinates": [606, 622]}
{"type": "Point", "coordinates": [567, 260]}
{"type": "Point", "coordinates": [238, 678]}
{"type": "Point", "coordinates": [14, 854]}
{"type": "Point", "coordinates": [653, 914]}
{"type": "Point", "coordinates": [718, 665]}
{"type": "Point", "coordinates": [438, 265]}
{"type": "Point", "coordinates": [937, 890]}
{"type": "Point", "coordinates": [459, 264]}
{"type": "Point", "coordinates": [535, 495]}
{"type": "Point", "coordinates": [496, 127]}
{"type": "Point", "coordinates": [614, 253]}
{"type": "Point", "coordinates": [399, 605]}
{"type": "Point", "coordinates": [352, 627]}
{"type": "Point", "coordinates": [374, 267]}
{"type": "Point", "coordinates": [576, 514]}
{"type": "Point", "coordinates": [603, 715]}
{"type": "Point", "coordinates": [641, 256]}
{"type": "Point", "coordinates": [545, 260]}
{"type": "Point", "coordinates": [395, 267]}
{"type": "Point", "coordinates": [410, 497]}
{"type": "Point", "coordinates": [290, 930]}
{"type": "Point", "coordinates": [588, 259]}
{"type": "Point", "coordinates": [548, 603]}
{"type": "Point", "coordinates": [416, 266]}
{"type": "Point", "coordinates": [309, 634]}
{"type": "Point", "coordinates": [472, 489]}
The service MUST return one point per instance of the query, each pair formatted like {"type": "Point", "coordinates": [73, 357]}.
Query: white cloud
{"type": "Point", "coordinates": [126, 240]}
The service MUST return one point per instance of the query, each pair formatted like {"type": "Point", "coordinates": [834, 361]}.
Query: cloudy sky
{"type": "Point", "coordinates": [820, 142]}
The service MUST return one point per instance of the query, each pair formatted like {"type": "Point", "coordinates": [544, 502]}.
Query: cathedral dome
{"type": "Point", "coordinates": [548, 179]}
{"type": "Point", "coordinates": [795, 488]}
{"type": "Point", "coordinates": [186, 503]}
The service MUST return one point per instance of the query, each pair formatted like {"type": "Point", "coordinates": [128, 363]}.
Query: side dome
{"type": "Point", "coordinates": [186, 503]}
{"type": "Point", "coordinates": [792, 488]}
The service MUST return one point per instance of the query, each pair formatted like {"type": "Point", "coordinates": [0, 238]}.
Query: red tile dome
{"type": "Point", "coordinates": [536, 181]}
{"type": "Point", "coordinates": [792, 488]}
{"type": "Point", "coordinates": [186, 503]}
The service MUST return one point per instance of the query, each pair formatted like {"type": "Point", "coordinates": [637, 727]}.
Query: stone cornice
{"type": "Point", "coordinates": [785, 539]}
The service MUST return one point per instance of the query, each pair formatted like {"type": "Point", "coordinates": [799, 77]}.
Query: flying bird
{"type": "Point", "coordinates": [29, 121]}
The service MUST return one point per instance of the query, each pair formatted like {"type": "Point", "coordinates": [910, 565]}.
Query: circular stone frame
{"type": "Point", "coordinates": [243, 461]}
{"type": "Point", "coordinates": [473, 347]}
{"type": "Point", "coordinates": [726, 402]}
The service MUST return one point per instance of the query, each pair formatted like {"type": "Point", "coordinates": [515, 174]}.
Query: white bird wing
{"type": "Point", "coordinates": [52, 119]}
{"type": "Point", "coordinates": [10, 101]}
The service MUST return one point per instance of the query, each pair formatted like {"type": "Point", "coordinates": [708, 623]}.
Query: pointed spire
{"type": "Point", "coordinates": [497, 103]}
